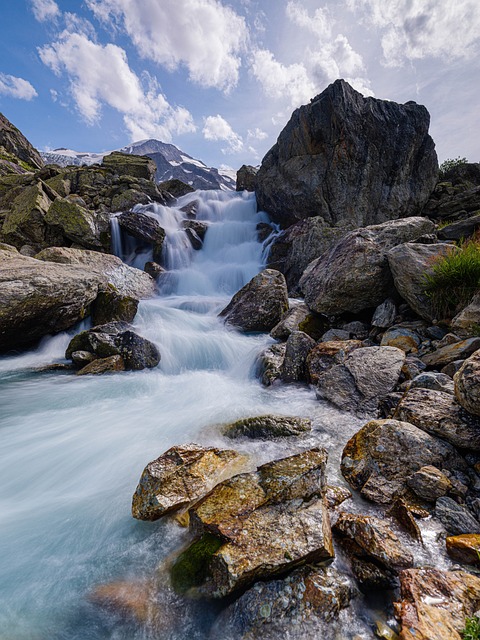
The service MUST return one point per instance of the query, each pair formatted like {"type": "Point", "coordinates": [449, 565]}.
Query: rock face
{"type": "Point", "coordinates": [349, 159]}
{"type": "Point", "coordinates": [260, 304]}
{"type": "Point", "coordinates": [354, 274]}
{"type": "Point", "coordinates": [384, 453]}
{"type": "Point", "coordinates": [15, 143]}
{"type": "Point", "coordinates": [180, 476]}
{"type": "Point", "coordinates": [264, 523]}
{"type": "Point", "coordinates": [434, 603]}
{"type": "Point", "coordinates": [268, 427]}
{"type": "Point", "coordinates": [246, 178]}
{"type": "Point", "coordinates": [467, 384]}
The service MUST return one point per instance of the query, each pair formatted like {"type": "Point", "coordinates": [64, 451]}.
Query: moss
{"type": "Point", "coordinates": [27, 213]}
{"type": "Point", "coordinates": [75, 221]}
{"type": "Point", "coordinates": [191, 567]}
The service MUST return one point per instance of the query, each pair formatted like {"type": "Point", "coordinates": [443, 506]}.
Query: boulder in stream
{"type": "Point", "coordinates": [267, 427]}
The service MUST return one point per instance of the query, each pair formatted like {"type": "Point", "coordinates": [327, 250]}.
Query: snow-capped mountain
{"type": "Point", "coordinates": [170, 160]}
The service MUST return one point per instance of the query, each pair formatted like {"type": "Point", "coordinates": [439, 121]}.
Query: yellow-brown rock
{"type": "Point", "coordinates": [464, 548]}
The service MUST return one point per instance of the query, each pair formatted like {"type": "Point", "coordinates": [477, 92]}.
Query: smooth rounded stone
{"type": "Point", "coordinates": [451, 352]}
{"type": "Point", "coordinates": [354, 274]}
{"type": "Point", "coordinates": [433, 380]}
{"type": "Point", "coordinates": [246, 178]}
{"type": "Point", "coordinates": [297, 314]}
{"type": "Point", "coordinates": [260, 304]}
{"type": "Point", "coordinates": [451, 368]}
{"type": "Point", "coordinates": [434, 604]}
{"type": "Point", "coordinates": [110, 306]}
{"type": "Point", "coordinates": [326, 354]}
{"type": "Point", "coordinates": [385, 314]}
{"type": "Point", "coordinates": [269, 426]}
{"type": "Point", "coordinates": [81, 358]}
{"type": "Point", "coordinates": [349, 159]}
{"type": "Point", "coordinates": [429, 483]}
{"type": "Point", "coordinates": [439, 414]}
{"type": "Point", "coordinates": [180, 476]}
{"type": "Point", "coordinates": [379, 458]}
{"type": "Point", "coordinates": [270, 363]}
{"type": "Point", "coordinates": [466, 322]}
{"type": "Point", "coordinates": [153, 269]}
{"type": "Point", "coordinates": [335, 334]}
{"type": "Point", "coordinates": [309, 599]}
{"type": "Point", "coordinates": [27, 250]}
{"type": "Point", "coordinates": [456, 518]}
{"type": "Point", "coordinates": [403, 339]}
{"type": "Point", "coordinates": [366, 374]}
{"type": "Point", "coordinates": [467, 384]}
{"type": "Point", "coordinates": [413, 367]}
{"type": "Point", "coordinates": [410, 263]}
{"type": "Point", "coordinates": [195, 230]}
{"type": "Point", "coordinates": [298, 347]}
{"type": "Point", "coordinates": [103, 365]}
{"type": "Point", "coordinates": [357, 330]}
{"type": "Point", "coordinates": [265, 523]}
{"type": "Point", "coordinates": [336, 495]}
{"type": "Point", "coordinates": [464, 548]}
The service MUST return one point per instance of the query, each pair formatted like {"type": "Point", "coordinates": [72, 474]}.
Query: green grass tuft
{"type": "Point", "coordinates": [454, 280]}
{"type": "Point", "coordinates": [472, 629]}
{"type": "Point", "coordinates": [449, 164]}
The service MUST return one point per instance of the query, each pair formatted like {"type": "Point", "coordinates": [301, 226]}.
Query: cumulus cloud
{"type": "Point", "coordinates": [45, 10]}
{"type": "Point", "coordinates": [16, 87]}
{"type": "Point", "coordinates": [415, 29]}
{"type": "Point", "coordinates": [256, 134]}
{"type": "Point", "coordinates": [100, 74]}
{"type": "Point", "coordinates": [319, 24]}
{"type": "Point", "coordinates": [217, 128]}
{"type": "Point", "coordinates": [204, 35]}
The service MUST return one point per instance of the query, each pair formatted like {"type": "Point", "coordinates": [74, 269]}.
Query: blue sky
{"type": "Point", "coordinates": [220, 79]}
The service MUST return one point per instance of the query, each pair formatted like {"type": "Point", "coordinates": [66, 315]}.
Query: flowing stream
{"type": "Point", "coordinates": [73, 448]}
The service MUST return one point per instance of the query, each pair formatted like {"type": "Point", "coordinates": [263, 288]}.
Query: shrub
{"type": "Point", "coordinates": [472, 629]}
{"type": "Point", "coordinates": [454, 280]}
{"type": "Point", "coordinates": [450, 163]}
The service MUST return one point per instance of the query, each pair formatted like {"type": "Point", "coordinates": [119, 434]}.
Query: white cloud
{"type": "Point", "coordinates": [45, 10]}
{"type": "Point", "coordinates": [257, 134]}
{"type": "Point", "coordinates": [100, 74]}
{"type": "Point", "coordinates": [16, 87]}
{"type": "Point", "coordinates": [217, 128]}
{"type": "Point", "coordinates": [319, 24]}
{"type": "Point", "coordinates": [416, 29]}
{"type": "Point", "coordinates": [204, 35]}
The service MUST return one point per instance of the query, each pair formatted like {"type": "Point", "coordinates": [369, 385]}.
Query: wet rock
{"type": "Point", "coordinates": [467, 384]}
{"type": "Point", "coordinates": [354, 274]}
{"type": "Point", "coordinates": [195, 230]}
{"type": "Point", "coordinates": [467, 322]}
{"type": "Point", "coordinates": [137, 352]}
{"type": "Point", "coordinates": [264, 229]}
{"type": "Point", "coordinates": [246, 178]}
{"type": "Point", "coordinates": [270, 363]}
{"type": "Point", "coordinates": [131, 599]}
{"type": "Point", "coordinates": [403, 339]}
{"type": "Point", "coordinates": [385, 314]}
{"type": "Point", "coordinates": [103, 365]}
{"type": "Point", "coordinates": [267, 522]}
{"type": "Point", "coordinates": [403, 514]}
{"type": "Point", "coordinates": [429, 483]}
{"type": "Point", "coordinates": [435, 603]}
{"type": "Point", "coordinates": [332, 157]}
{"type": "Point", "coordinates": [191, 209]}
{"type": "Point", "coordinates": [464, 548]}
{"type": "Point", "coordinates": [153, 269]}
{"type": "Point", "coordinates": [298, 347]}
{"type": "Point", "coordinates": [451, 352]}
{"type": "Point", "coordinates": [144, 228]}
{"type": "Point", "coordinates": [290, 322]}
{"type": "Point", "coordinates": [260, 304]}
{"type": "Point", "coordinates": [269, 426]}
{"type": "Point", "coordinates": [110, 306]}
{"type": "Point", "coordinates": [410, 263]}
{"type": "Point", "coordinates": [179, 477]}
{"type": "Point", "coordinates": [434, 381]}
{"type": "Point", "coordinates": [130, 165]}
{"type": "Point", "coordinates": [367, 374]}
{"type": "Point", "coordinates": [308, 600]}
{"type": "Point", "coordinates": [439, 414]}
{"type": "Point", "coordinates": [456, 518]}
{"type": "Point", "coordinates": [379, 458]}
{"type": "Point", "coordinates": [335, 495]}
{"type": "Point", "coordinates": [327, 354]}
{"type": "Point", "coordinates": [81, 358]}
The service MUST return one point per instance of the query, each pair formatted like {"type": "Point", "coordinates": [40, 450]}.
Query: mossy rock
{"type": "Point", "coordinates": [314, 326]}
{"type": "Point", "coordinates": [176, 188]}
{"type": "Point", "coordinates": [26, 216]}
{"type": "Point", "coordinates": [125, 164]}
{"type": "Point", "coordinates": [110, 306]}
{"type": "Point", "coordinates": [76, 222]}
{"type": "Point", "coordinates": [61, 184]}
{"type": "Point", "coordinates": [190, 570]}
{"type": "Point", "coordinates": [127, 199]}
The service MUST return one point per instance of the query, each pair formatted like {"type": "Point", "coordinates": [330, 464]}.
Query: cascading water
{"type": "Point", "coordinates": [73, 448]}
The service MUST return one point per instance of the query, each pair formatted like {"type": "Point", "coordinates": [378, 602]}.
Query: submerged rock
{"type": "Point", "coordinates": [269, 426]}
{"type": "Point", "coordinates": [260, 304]}
{"type": "Point", "coordinates": [333, 156]}
{"type": "Point", "coordinates": [467, 384]}
{"type": "Point", "coordinates": [384, 453]}
{"type": "Point", "coordinates": [179, 477]}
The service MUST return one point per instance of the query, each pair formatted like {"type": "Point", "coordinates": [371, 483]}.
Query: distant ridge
{"type": "Point", "coordinates": [171, 163]}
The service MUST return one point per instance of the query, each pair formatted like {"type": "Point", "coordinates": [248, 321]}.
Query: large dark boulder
{"type": "Point", "coordinates": [144, 228]}
{"type": "Point", "coordinates": [246, 178]}
{"type": "Point", "coordinates": [126, 164]}
{"type": "Point", "coordinates": [351, 160]}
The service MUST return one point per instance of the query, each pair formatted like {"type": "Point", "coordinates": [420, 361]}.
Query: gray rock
{"type": "Point", "coordinates": [144, 228]}
{"type": "Point", "coordinates": [451, 368]}
{"type": "Point", "coordinates": [260, 304]}
{"type": "Point", "coordinates": [270, 363]}
{"type": "Point", "coordinates": [267, 427]}
{"type": "Point", "coordinates": [195, 230]}
{"type": "Point", "coordinates": [461, 229]}
{"type": "Point", "coordinates": [299, 345]}
{"type": "Point", "coordinates": [354, 274]}
{"type": "Point", "coordinates": [246, 178]}
{"type": "Point", "coordinates": [81, 358]}
{"type": "Point", "coordinates": [327, 354]}
{"type": "Point", "coordinates": [14, 142]}
{"type": "Point", "coordinates": [366, 374]}
{"type": "Point", "coordinates": [404, 339]}
{"type": "Point", "coordinates": [467, 322]}
{"type": "Point", "coordinates": [100, 366]}
{"type": "Point", "coordinates": [110, 306]}
{"type": "Point", "coordinates": [433, 380]}
{"type": "Point", "coordinates": [153, 269]}
{"type": "Point", "coordinates": [410, 264]}
{"type": "Point", "coordinates": [439, 414]}
{"type": "Point", "coordinates": [385, 314]}
{"type": "Point", "coordinates": [429, 483]}
{"type": "Point", "coordinates": [291, 322]}
{"type": "Point", "coordinates": [335, 334]}
{"type": "Point", "coordinates": [467, 384]}
{"type": "Point", "coordinates": [456, 518]}
{"type": "Point", "coordinates": [384, 453]}
{"type": "Point", "coordinates": [334, 155]}
{"type": "Point", "coordinates": [357, 330]}
{"type": "Point", "coordinates": [413, 367]}
{"type": "Point", "coordinates": [451, 352]}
